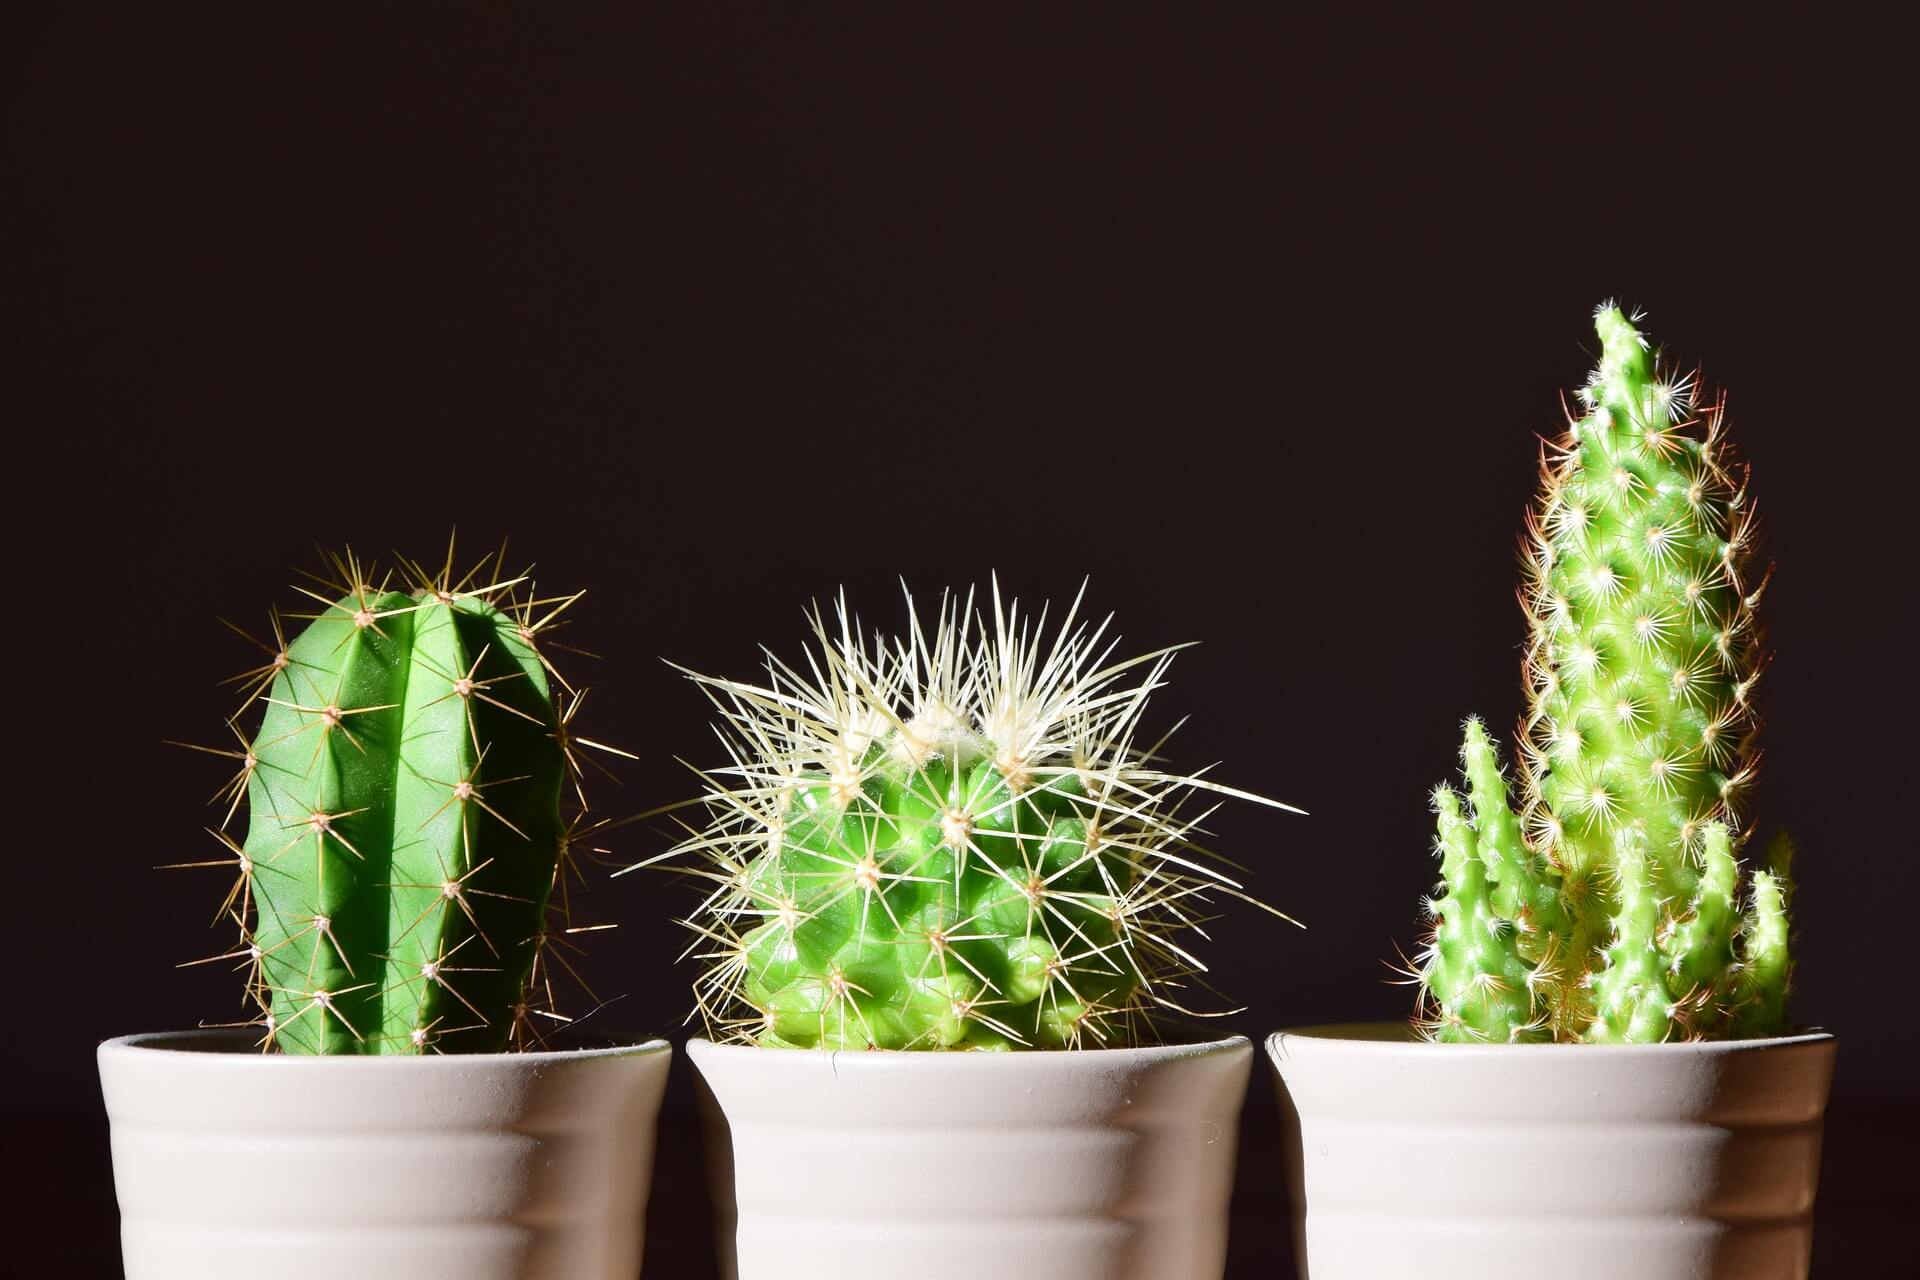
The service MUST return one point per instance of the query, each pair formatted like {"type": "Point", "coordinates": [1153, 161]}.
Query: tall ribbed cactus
{"type": "Point", "coordinates": [948, 842]}
{"type": "Point", "coordinates": [406, 842]}
{"type": "Point", "coordinates": [1607, 908]}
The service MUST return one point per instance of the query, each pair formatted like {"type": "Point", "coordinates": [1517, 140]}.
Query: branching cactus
{"type": "Point", "coordinates": [405, 877]}
{"type": "Point", "coordinates": [950, 841]}
{"type": "Point", "coordinates": [1607, 908]}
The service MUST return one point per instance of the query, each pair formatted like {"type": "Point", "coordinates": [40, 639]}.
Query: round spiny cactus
{"type": "Point", "coordinates": [1606, 909]}
{"type": "Point", "coordinates": [955, 841]}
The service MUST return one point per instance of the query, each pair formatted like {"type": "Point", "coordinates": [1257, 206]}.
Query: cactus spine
{"type": "Point", "coordinates": [1607, 909]}
{"type": "Point", "coordinates": [955, 841]}
{"type": "Point", "coordinates": [406, 851]}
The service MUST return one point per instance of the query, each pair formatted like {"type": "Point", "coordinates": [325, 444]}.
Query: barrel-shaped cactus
{"type": "Point", "coordinates": [1607, 908]}
{"type": "Point", "coordinates": [403, 872]}
{"type": "Point", "coordinates": [955, 840]}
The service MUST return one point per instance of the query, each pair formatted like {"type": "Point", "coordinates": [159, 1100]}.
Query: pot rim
{"type": "Point", "coordinates": [700, 1046]}
{"type": "Point", "coordinates": [239, 1044]}
{"type": "Point", "coordinates": [1384, 1038]}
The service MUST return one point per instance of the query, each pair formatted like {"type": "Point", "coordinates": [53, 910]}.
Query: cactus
{"type": "Point", "coordinates": [404, 879]}
{"type": "Point", "coordinates": [1607, 908]}
{"type": "Point", "coordinates": [955, 841]}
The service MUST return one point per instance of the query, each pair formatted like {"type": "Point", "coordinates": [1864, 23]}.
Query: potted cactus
{"type": "Point", "coordinates": [1601, 1078]}
{"type": "Point", "coordinates": [950, 883]}
{"type": "Point", "coordinates": [400, 894]}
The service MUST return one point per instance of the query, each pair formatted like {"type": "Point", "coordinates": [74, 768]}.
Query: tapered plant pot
{"type": "Point", "coordinates": [1578, 1162]}
{"type": "Point", "coordinates": [523, 1166]}
{"type": "Point", "coordinates": [1102, 1164]}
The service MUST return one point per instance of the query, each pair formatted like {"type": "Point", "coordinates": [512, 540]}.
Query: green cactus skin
{"type": "Point", "coordinates": [1606, 909]}
{"type": "Point", "coordinates": [405, 837]}
{"type": "Point", "coordinates": [948, 843]}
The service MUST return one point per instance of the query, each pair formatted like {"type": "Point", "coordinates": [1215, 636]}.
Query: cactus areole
{"type": "Point", "coordinates": [1608, 908]}
{"type": "Point", "coordinates": [406, 852]}
{"type": "Point", "coordinates": [956, 840]}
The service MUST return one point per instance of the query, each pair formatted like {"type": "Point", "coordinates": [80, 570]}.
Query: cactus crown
{"type": "Point", "coordinates": [404, 883]}
{"type": "Point", "coordinates": [955, 840]}
{"type": "Point", "coordinates": [1606, 908]}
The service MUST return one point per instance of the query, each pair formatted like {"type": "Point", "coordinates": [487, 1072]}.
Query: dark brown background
{"type": "Point", "coordinates": [1249, 317]}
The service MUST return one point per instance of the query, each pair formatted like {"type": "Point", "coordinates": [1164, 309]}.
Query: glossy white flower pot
{"type": "Point", "coordinates": [232, 1163]}
{"type": "Point", "coordinates": [1105, 1164]}
{"type": "Point", "coordinates": [1574, 1162]}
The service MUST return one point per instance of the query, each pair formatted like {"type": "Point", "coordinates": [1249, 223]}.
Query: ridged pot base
{"type": "Point", "coordinates": [1105, 1164]}
{"type": "Point", "coordinates": [233, 1164]}
{"type": "Point", "coordinates": [1575, 1162]}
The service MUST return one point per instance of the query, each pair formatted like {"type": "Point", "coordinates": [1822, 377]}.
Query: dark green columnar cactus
{"type": "Point", "coordinates": [403, 880]}
{"type": "Point", "coordinates": [1607, 908]}
{"type": "Point", "coordinates": [955, 841]}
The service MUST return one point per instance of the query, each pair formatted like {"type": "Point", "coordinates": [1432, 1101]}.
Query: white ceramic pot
{"type": "Point", "coordinates": [1576, 1162]}
{"type": "Point", "coordinates": [1103, 1164]}
{"type": "Point", "coordinates": [523, 1166]}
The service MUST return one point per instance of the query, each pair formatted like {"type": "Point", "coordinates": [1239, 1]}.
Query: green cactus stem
{"type": "Point", "coordinates": [397, 884]}
{"type": "Point", "coordinates": [1607, 908]}
{"type": "Point", "coordinates": [955, 841]}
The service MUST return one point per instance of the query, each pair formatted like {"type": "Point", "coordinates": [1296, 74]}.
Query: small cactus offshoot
{"type": "Point", "coordinates": [955, 840]}
{"type": "Point", "coordinates": [404, 881]}
{"type": "Point", "coordinates": [1608, 908]}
